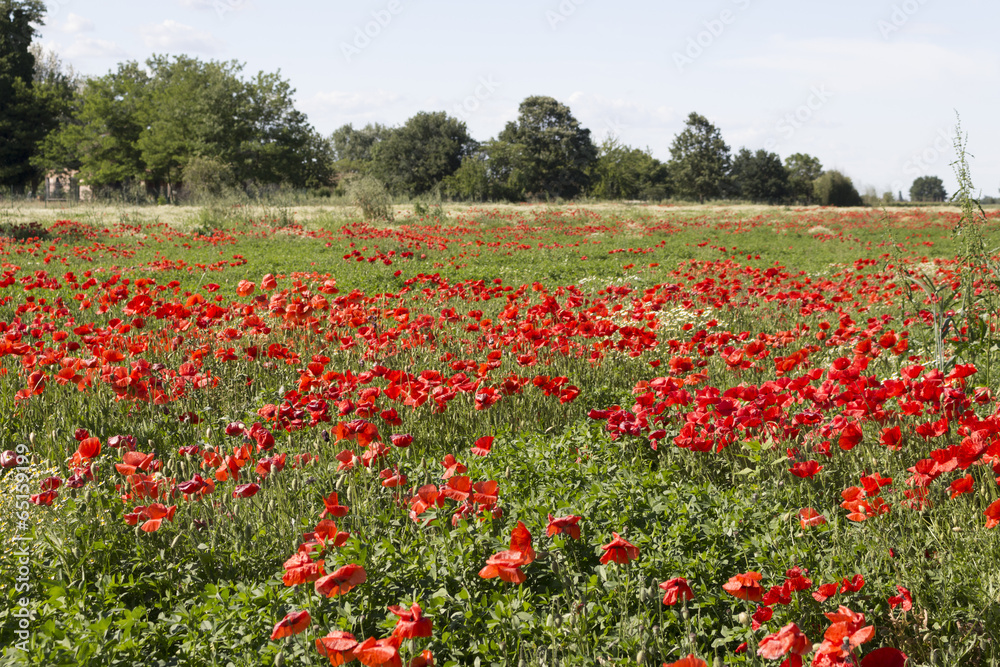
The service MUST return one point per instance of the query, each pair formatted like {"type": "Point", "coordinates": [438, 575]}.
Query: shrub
{"type": "Point", "coordinates": [369, 194]}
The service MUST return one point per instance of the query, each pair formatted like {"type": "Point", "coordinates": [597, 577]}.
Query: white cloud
{"type": "Point", "coordinates": [856, 65]}
{"type": "Point", "coordinates": [624, 118]}
{"type": "Point", "coordinates": [220, 7]}
{"type": "Point", "coordinates": [354, 102]}
{"type": "Point", "coordinates": [173, 36]}
{"type": "Point", "coordinates": [76, 23]}
{"type": "Point", "coordinates": [90, 47]}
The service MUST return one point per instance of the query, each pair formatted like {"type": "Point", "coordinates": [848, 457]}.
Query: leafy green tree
{"type": "Point", "coordinates": [24, 117]}
{"type": "Point", "coordinates": [352, 149]}
{"type": "Point", "coordinates": [545, 152]}
{"type": "Point", "coordinates": [928, 188]}
{"type": "Point", "coordinates": [835, 189]}
{"type": "Point", "coordinates": [471, 181]}
{"type": "Point", "coordinates": [699, 160]}
{"type": "Point", "coordinates": [277, 143]}
{"type": "Point", "coordinates": [129, 126]}
{"type": "Point", "coordinates": [803, 170]}
{"type": "Point", "coordinates": [621, 172]}
{"type": "Point", "coordinates": [759, 177]}
{"type": "Point", "coordinates": [101, 138]}
{"type": "Point", "coordinates": [414, 158]}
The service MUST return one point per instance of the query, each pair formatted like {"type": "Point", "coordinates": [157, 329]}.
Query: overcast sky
{"type": "Point", "coordinates": [869, 87]}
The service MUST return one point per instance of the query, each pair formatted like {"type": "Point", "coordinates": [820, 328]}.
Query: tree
{"type": "Point", "coordinates": [928, 188]}
{"type": "Point", "coordinates": [101, 138]}
{"type": "Point", "coordinates": [759, 177]}
{"type": "Point", "coordinates": [548, 149]}
{"type": "Point", "coordinates": [835, 189]}
{"type": "Point", "coordinates": [24, 118]}
{"type": "Point", "coordinates": [352, 149]}
{"type": "Point", "coordinates": [428, 148]}
{"type": "Point", "coordinates": [803, 170]}
{"type": "Point", "coordinates": [621, 172]}
{"type": "Point", "coordinates": [131, 125]}
{"type": "Point", "coordinates": [699, 160]}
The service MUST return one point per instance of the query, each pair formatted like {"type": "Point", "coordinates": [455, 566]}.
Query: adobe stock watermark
{"type": "Point", "coordinates": [900, 16]}
{"type": "Point", "coordinates": [561, 14]}
{"type": "Point", "coordinates": [613, 128]}
{"type": "Point", "coordinates": [471, 104]}
{"type": "Point", "coordinates": [792, 121]}
{"type": "Point", "coordinates": [921, 162]}
{"type": "Point", "coordinates": [21, 556]}
{"type": "Point", "coordinates": [364, 35]}
{"type": "Point", "coordinates": [705, 39]}
{"type": "Point", "coordinates": [53, 7]}
{"type": "Point", "coordinates": [223, 7]}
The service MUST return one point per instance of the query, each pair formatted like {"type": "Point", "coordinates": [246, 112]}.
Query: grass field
{"type": "Point", "coordinates": [499, 436]}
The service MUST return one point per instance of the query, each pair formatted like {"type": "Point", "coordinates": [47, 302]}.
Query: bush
{"type": "Point", "coordinates": [207, 178]}
{"type": "Point", "coordinates": [369, 194]}
{"type": "Point", "coordinates": [835, 189]}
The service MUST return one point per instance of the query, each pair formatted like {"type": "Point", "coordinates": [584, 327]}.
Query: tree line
{"type": "Point", "coordinates": [181, 125]}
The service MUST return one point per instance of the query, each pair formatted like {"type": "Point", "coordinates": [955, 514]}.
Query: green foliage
{"type": "Point", "coordinates": [352, 150]}
{"type": "Point", "coordinates": [207, 178]}
{"type": "Point", "coordinates": [131, 125]}
{"type": "Point", "coordinates": [759, 177]}
{"type": "Point", "coordinates": [548, 153]}
{"type": "Point", "coordinates": [699, 160]}
{"type": "Point", "coordinates": [803, 170]}
{"type": "Point", "coordinates": [835, 189]}
{"type": "Point", "coordinates": [928, 188]}
{"type": "Point", "coordinates": [370, 195]}
{"type": "Point", "coordinates": [414, 158]}
{"type": "Point", "coordinates": [27, 111]}
{"type": "Point", "coordinates": [627, 173]}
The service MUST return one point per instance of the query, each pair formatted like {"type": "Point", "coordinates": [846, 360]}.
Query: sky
{"type": "Point", "coordinates": [872, 88]}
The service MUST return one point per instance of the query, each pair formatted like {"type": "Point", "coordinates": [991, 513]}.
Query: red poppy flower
{"type": "Point", "coordinates": [379, 652]}
{"type": "Point", "coordinates": [506, 565]}
{"type": "Point", "coordinates": [676, 589]}
{"type": "Point", "coordinates": [848, 626]}
{"type": "Point", "coordinates": [904, 599]}
{"type": "Point", "coordinates": [745, 586]}
{"type": "Point", "coordinates": [619, 550]}
{"type": "Point", "coordinates": [333, 507]}
{"type": "Point", "coordinates": [852, 585]}
{"type": "Point", "coordinates": [760, 616]}
{"type": "Point", "coordinates": [787, 640]}
{"type": "Point", "coordinates": [805, 469]}
{"type": "Point", "coordinates": [425, 659]}
{"type": "Point", "coordinates": [520, 540]}
{"type": "Point", "coordinates": [411, 623]}
{"type": "Point", "coordinates": [401, 439]}
{"type": "Point", "coordinates": [89, 448]}
{"type": "Point", "coordinates": [564, 524]}
{"type": "Point", "coordinates": [850, 436]}
{"type": "Point", "coordinates": [338, 646]}
{"type": "Point", "coordinates": [300, 569]}
{"type": "Point", "coordinates": [808, 517]}
{"type": "Point", "coordinates": [291, 624]}
{"type": "Point", "coordinates": [452, 467]}
{"type": "Point", "coordinates": [887, 656]}
{"type": "Point", "coordinates": [246, 490]}
{"type": "Point", "coordinates": [960, 486]}
{"type": "Point", "coordinates": [43, 499]}
{"type": "Point", "coordinates": [482, 446]}
{"type": "Point", "coordinates": [690, 661]}
{"type": "Point", "coordinates": [825, 591]}
{"type": "Point", "coordinates": [341, 581]}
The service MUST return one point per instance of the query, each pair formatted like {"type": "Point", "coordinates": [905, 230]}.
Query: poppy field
{"type": "Point", "coordinates": [554, 436]}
